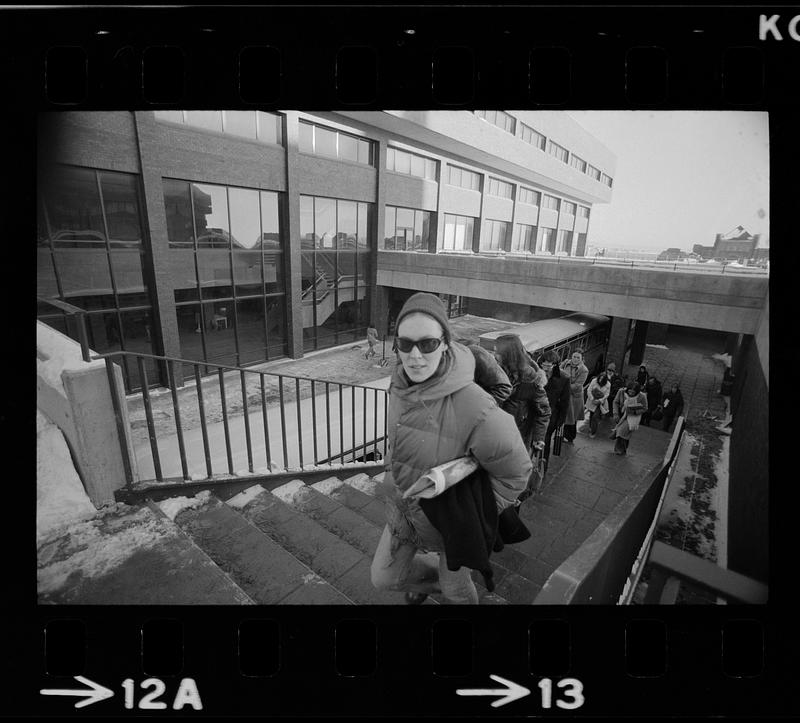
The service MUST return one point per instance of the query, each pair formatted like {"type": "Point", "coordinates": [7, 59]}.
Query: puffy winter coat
{"type": "Point", "coordinates": [529, 406]}
{"type": "Point", "coordinates": [449, 416]}
{"type": "Point", "coordinates": [489, 375]}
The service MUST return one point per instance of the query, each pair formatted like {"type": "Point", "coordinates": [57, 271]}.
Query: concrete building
{"type": "Point", "coordinates": [236, 237]}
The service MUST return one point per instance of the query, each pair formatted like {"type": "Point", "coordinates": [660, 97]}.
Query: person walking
{"type": "Point", "coordinates": [628, 407]}
{"type": "Point", "coordinates": [653, 391]}
{"type": "Point", "coordinates": [617, 382]}
{"type": "Point", "coordinates": [597, 401]}
{"type": "Point", "coordinates": [575, 370]}
{"type": "Point", "coordinates": [642, 376]}
{"type": "Point", "coordinates": [672, 404]}
{"type": "Point", "coordinates": [489, 375]}
{"type": "Point", "coordinates": [527, 402]}
{"type": "Point", "coordinates": [372, 340]}
{"type": "Point", "coordinates": [558, 396]}
{"type": "Point", "coordinates": [437, 414]}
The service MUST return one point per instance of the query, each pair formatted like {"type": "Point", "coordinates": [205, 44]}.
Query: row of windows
{"type": "Point", "coordinates": [333, 223]}
{"type": "Point", "coordinates": [508, 123]}
{"type": "Point", "coordinates": [550, 202]}
{"type": "Point", "coordinates": [323, 141]}
{"type": "Point", "coordinates": [458, 232]}
{"type": "Point", "coordinates": [500, 188]}
{"type": "Point", "coordinates": [410, 163]}
{"type": "Point", "coordinates": [462, 177]}
{"type": "Point", "coordinates": [494, 235]}
{"type": "Point", "coordinates": [529, 196]}
{"type": "Point", "coordinates": [407, 229]}
{"type": "Point", "coordinates": [256, 125]}
{"type": "Point", "coordinates": [499, 118]}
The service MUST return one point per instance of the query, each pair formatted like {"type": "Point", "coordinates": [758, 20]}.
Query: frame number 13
{"type": "Point", "coordinates": [572, 690]}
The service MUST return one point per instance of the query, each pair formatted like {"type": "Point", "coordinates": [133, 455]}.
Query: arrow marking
{"type": "Point", "coordinates": [510, 693]}
{"type": "Point", "coordinates": [95, 693]}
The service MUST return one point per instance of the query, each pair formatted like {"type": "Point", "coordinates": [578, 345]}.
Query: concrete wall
{"type": "Point", "coordinates": [499, 209]}
{"type": "Point", "coordinates": [75, 395]}
{"type": "Point", "coordinates": [411, 192]}
{"type": "Point", "coordinates": [460, 201]}
{"type": "Point", "coordinates": [749, 473]}
{"type": "Point", "coordinates": [319, 176]}
{"type": "Point", "coordinates": [724, 303]}
{"type": "Point", "coordinates": [526, 214]}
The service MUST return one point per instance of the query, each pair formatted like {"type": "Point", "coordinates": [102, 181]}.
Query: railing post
{"type": "Point", "coordinates": [121, 432]}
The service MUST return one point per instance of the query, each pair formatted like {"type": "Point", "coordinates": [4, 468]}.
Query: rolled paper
{"type": "Point", "coordinates": [437, 479]}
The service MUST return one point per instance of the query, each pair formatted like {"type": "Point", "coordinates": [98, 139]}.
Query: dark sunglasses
{"type": "Point", "coordinates": [426, 346]}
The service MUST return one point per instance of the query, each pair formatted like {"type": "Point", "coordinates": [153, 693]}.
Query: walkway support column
{"type": "Point", "coordinates": [638, 343]}
{"type": "Point", "coordinates": [618, 341]}
{"type": "Point", "coordinates": [294, 270]}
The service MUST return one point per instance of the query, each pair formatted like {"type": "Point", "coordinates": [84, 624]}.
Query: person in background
{"type": "Point", "coordinates": [642, 376]}
{"type": "Point", "coordinates": [597, 401]}
{"type": "Point", "coordinates": [437, 414]}
{"type": "Point", "coordinates": [372, 340]}
{"type": "Point", "coordinates": [628, 407]}
{"type": "Point", "coordinates": [672, 404]}
{"type": "Point", "coordinates": [527, 402]}
{"type": "Point", "coordinates": [616, 381]}
{"type": "Point", "coordinates": [489, 375]}
{"type": "Point", "coordinates": [557, 390]}
{"type": "Point", "coordinates": [575, 370]}
{"type": "Point", "coordinates": [653, 391]}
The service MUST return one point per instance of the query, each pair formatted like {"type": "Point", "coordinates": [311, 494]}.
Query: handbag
{"type": "Point", "coordinates": [658, 414]}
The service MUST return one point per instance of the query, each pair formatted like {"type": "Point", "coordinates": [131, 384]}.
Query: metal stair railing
{"type": "Point", "coordinates": [347, 422]}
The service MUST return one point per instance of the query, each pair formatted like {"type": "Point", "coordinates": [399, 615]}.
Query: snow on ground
{"type": "Point", "coordinates": [60, 497]}
{"type": "Point", "coordinates": [175, 505]}
{"type": "Point", "coordinates": [97, 546]}
{"type": "Point", "coordinates": [243, 499]}
{"type": "Point", "coordinates": [56, 353]}
{"type": "Point", "coordinates": [657, 346]}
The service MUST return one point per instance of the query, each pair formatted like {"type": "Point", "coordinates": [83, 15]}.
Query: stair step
{"type": "Point", "coordinates": [130, 556]}
{"type": "Point", "coordinates": [366, 505]}
{"type": "Point", "coordinates": [334, 559]}
{"type": "Point", "coordinates": [267, 572]}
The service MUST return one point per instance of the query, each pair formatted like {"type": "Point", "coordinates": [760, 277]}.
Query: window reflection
{"type": "Point", "coordinates": [73, 207]}
{"type": "Point", "coordinates": [250, 326]}
{"type": "Point", "coordinates": [270, 224]}
{"type": "Point", "coordinates": [324, 222]}
{"type": "Point", "coordinates": [211, 215]}
{"type": "Point", "coordinates": [244, 218]}
{"type": "Point", "coordinates": [120, 201]}
{"type": "Point", "coordinates": [241, 123]}
{"type": "Point", "coordinates": [178, 209]}
{"type": "Point", "coordinates": [84, 271]}
{"type": "Point", "coordinates": [126, 266]}
{"type": "Point", "coordinates": [214, 271]}
{"type": "Point", "coordinates": [46, 285]}
{"type": "Point", "coordinates": [247, 272]}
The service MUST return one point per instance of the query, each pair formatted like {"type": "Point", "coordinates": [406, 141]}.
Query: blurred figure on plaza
{"type": "Point", "coordinates": [372, 340]}
{"type": "Point", "coordinates": [597, 401]}
{"type": "Point", "coordinates": [575, 370]}
{"type": "Point", "coordinates": [558, 396]}
{"type": "Point", "coordinates": [654, 392]}
{"type": "Point", "coordinates": [438, 414]}
{"type": "Point", "coordinates": [629, 404]}
{"type": "Point", "coordinates": [489, 375]}
{"type": "Point", "coordinates": [527, 402]}
{"type": "Point", "coordinates": [672, 404]}
{"type": "Point", "coordinates": [642, 376]}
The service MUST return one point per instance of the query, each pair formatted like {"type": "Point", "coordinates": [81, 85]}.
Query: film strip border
{"type": "Point", "coordinates": [410, 664]}
{"type": "Point", "coordinates": [548, 58]}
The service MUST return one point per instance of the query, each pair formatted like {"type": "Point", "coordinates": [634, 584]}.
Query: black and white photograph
{"type": "Point", "coordinates": [402, 357]}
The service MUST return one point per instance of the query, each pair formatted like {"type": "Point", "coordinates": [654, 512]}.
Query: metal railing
{"type": "Point", "coordinates": [277, 423]}
{"type": "Point", "coordinates": [75, 314]}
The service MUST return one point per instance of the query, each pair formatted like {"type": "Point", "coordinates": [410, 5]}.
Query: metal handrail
{"type": "Point", "coordinates": [296, 423]}
{"type": "Point", "coordinates": [79, 315]}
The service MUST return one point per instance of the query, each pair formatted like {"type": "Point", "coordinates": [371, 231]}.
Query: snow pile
{"type": "Point", "coordinates": [658, 346]}
{"type": "Point", "coordinates": [60, 497]}
{"type": "Point", "coordinates": [56, 353]}
{"type": "Point", "coordinates": [174, 506]}
{"type": "Point", "coordinates": [243, 499]}
{"type": "Point", "coordinates": [96, 547]}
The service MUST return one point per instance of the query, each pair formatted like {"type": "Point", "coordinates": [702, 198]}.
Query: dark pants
{"type": "Point", "coordinates": [621, 445]}
{"type": "Point", "coordinates": [570, 432]}
{"type": "Point", "coordinates": [667, 421]}
{"type": "Point", "coordinates": [594, 420]}
{"type": "Point", "coordinates": [548, 439]}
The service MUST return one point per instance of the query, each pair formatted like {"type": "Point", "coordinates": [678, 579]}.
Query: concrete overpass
{"type": "Point", "coordinates": [721, 302]}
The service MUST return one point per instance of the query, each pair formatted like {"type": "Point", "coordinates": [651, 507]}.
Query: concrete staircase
{"type": "Point", "coordinates": [296, 544]}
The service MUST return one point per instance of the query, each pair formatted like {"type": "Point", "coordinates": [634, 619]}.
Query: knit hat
{"type": "Point", "coordinates": [612, 367]}
{"type": "Point", "coordinates": [423, 303]}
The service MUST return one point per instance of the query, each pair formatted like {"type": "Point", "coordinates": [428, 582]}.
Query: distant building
{"type": "Point", "coordinates": [673, 254]}
{"type": "Point", "coordinates": [704, 252]}
{"type": "Point", "coordinates": [735, 245]}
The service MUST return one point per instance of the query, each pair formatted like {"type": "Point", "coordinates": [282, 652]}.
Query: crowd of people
{"type": "Point", "coordinates": [503, 410]}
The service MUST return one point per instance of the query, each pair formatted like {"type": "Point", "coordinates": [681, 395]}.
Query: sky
{"type": "Point", "coordinates": [681, 177]}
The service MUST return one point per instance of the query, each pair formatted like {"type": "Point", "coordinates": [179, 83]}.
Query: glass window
{"type": "Point", "coordinates": [46, 285]}
{"type": "Point", "coordinates": [270, 220]}
{"type": "Point", "coordinates": [120, 199]}
{"type": "Point", "coordinates": [306, 222]}
{"type": "Point", "coordinates": [276, 327]}
{"type": "Point", "coordinates": [250, 326]}
{"type": "Point", "coordinates": [325, 222]}
{"type": "Point", "coordinates": [418, 238]}
{"type": "Point", "coordinates": [430, 169]}
{"type": "Point", "coordinates": [247, 273]}
{"type": "Point", "coordinates": [363, 225]}
{"type": "Point", "coordinates": [211, 215]}
{"type": "Point", "coordinates": [270, 128]}
{"type": "Point", "coordinates": [390, 159]}
{"type": "Point", "coordinates": [418, 166]}
{"type": "Point", "coordinates": [209, 119]}
{"type": "Point", "coordinates": [324, 142]}
{"type": "Point", "coordinates": [178, 208]}
{"type": "Point", "coordinates": [73, 207]}
{"type": "Point", "coordinates": [348, 148]}
{"type": "Point", "coordinates": [126, 265]}
{"type": "Point", "coordinates": [346, 224]}
{"type": "Point", "coordinates": [402, 162]}
{"type": "Point", "coordinates": [454, 176]}
{"type": "Point", "coordinates": [273, 271]}
{"type": "Point", "coordinates": [306, 138]}
{"type": "Point", "coordinates": [214, 269]}
{"type": "Point", "coordinates": [245, 221]}
{"type": "Point", "coordinates": [240, 123]}
{"type": "Point", "coordinates": [389, 227]}
{"type": "Point", "coordinates": [365, 152]}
